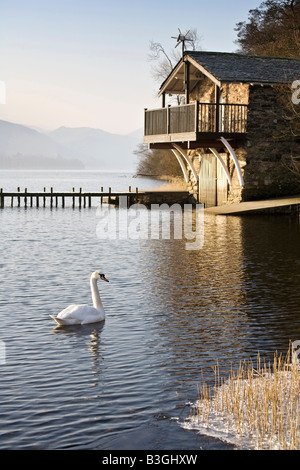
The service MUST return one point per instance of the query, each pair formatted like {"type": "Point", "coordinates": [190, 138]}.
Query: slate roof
{"type": "Point", "coordinates": [231, 67]}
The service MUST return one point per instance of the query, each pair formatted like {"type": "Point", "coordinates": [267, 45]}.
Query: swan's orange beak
{"type": "Point", "coordinates": [102, 276]}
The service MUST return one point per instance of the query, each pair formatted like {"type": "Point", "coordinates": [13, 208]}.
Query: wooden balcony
{"type": "Point", "coordinates": [198, 123]}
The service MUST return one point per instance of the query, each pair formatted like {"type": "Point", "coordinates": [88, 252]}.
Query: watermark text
{"type": "Point", "coordinates": [2, 92]}
{"type": "Point", "coordinates": [160, 222]}
{"type": "Point", "coordinates": [2, 353]}
{"type": "Point", "coordinates": [296, 93]}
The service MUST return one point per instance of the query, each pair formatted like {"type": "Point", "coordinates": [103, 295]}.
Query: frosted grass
{"type": "Point", "coordinates": [255, 408]}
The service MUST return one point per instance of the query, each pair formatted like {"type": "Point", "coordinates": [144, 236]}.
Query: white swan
{"type": "Point", "coordinates": [83, 314]}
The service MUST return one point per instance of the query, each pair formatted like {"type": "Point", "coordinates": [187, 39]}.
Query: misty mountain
{"type": "Point", "coordinates": [15, 138]}
{"type": "Point", "coordinates": [93, 147]}
{"type": "Point", "coordinates": [100, 149]}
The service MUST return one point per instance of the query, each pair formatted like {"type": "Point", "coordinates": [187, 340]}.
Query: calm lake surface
{"type": "Point", "coordinates": [171, 314]}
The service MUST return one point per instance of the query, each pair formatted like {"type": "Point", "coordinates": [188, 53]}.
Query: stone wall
{"type": "Point", "coordinates": [231, 92]}
{"type": "Point", "coordinates": [268, 146]}
{"type": "Point", "coordinates": [237, 93]}
{"type": "Point", "coordinates": [204, 91]}
{"type": "Point", "coordinates": [266, 153]}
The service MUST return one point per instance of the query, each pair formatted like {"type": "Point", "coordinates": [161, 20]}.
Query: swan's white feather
{"type": "Point", "coordinates": [81, 314]}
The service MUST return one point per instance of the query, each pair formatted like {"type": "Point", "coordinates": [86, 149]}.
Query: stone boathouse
{"type": "Point", "coordinates": [231, 136]}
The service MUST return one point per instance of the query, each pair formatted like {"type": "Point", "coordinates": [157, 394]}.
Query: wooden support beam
{"type": "Point", "coordinates": [187, 81]}
{"type": "Point", "coordinates": [217, 101]}
{"type": "Point", "coordinates": [80, 191]}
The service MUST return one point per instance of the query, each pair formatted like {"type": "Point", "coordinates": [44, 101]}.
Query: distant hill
{"type": "Point", "coordinates": [92, 148]}
{"type": "Point", "coordinates": [100, 149]}
{"type": "Point", "coordinates": [19, 161]}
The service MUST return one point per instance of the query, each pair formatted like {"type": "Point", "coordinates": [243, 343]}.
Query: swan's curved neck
{"type": "Point", "coordinates": [95, 294]}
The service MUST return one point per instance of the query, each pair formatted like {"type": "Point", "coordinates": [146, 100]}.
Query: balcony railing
{"type": "Point", "coordinates": [188, 121]}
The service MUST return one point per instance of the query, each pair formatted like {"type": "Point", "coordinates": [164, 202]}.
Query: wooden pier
{"type": "Point", "coordinates": [82, 199]}
{"type": "Point", "coordinates": [267, 206]}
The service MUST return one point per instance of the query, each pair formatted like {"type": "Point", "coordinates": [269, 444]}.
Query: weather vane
{"type": "Point", "coordinates": [182, 38]}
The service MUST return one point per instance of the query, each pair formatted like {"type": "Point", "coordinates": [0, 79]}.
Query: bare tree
{"type": "Point", "coordinates": [156, 162]}
{"type": "Point", "coordinates": [162, 162]}
{"type": "Point", "coordinates": [164, 61]}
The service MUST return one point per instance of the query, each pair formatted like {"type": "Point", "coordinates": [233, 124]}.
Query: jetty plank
{"type": "Point", "coordinates": [84, 199]}
{"type": "Point", "coordinates": [254, 206]}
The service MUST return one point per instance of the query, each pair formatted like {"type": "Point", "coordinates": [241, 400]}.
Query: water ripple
{"type": "Point", "coordinates": [171, 315]}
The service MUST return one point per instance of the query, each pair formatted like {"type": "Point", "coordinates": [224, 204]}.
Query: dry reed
{"type": "Point", "coordinates": [256, 407]}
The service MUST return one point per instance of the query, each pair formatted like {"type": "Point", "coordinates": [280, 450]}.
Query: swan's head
{"type": "Point", "coordinates": [99, 275]}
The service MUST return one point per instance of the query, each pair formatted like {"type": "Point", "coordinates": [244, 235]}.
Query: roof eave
{"type": "Point", "coordinates": [204, 71]}
{"type": "Point", "coordinates": [168, 87]}
{"type": "Point", "coordinates": [164, 86]}
{"type": "Point", "coordinates": [171, 76]}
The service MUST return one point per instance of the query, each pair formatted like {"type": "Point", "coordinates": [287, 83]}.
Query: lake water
{"type": "Point", "coordinates": [171, 314]}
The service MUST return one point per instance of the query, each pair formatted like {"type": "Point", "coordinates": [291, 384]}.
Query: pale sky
{"type": "Point", "coordinates": [84, 63]}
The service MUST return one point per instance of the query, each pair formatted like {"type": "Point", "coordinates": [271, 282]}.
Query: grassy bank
{"type": "Point", "coordinates": [257, 407]}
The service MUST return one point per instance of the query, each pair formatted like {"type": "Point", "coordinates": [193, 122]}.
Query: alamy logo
{"type": "Point", "coordinates": [160, 222]}
{"type": "Point", "coordinates": [2, 92]}
{"type": "Point", "coordinates": [296, 94]}
{"type": "Point", "coordinates": [2, 353]}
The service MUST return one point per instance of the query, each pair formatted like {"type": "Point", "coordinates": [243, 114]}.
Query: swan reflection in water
{"type": "Point", "coordinates": [80, 321]}
{"type": "Point", "coordinates": [90, 335]}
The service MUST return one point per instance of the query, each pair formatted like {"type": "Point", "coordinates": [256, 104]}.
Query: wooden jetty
{"type": "Point", "coordinates": [59, 198]}
{"type": "Point", "coordinates": [80, 199]}
{"type": "Point", "coordinates": [54, 199]}
{"type": "Point", "coordinates": [277, 205]}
